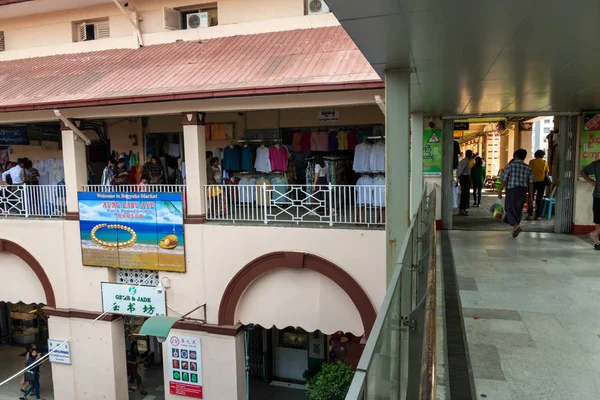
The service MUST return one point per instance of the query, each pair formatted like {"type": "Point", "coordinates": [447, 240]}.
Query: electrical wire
{"type": "Point", "coordinates": [46, 356]}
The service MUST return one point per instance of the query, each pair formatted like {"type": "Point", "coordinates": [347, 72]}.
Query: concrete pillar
{"type": "Point", "coordinates": [397, 160]}
{"type": "Point", "coordinates": [98, 365]}
{"type": "Point", "coordinates": [416, 159]}
{"type": "Point", "coordinates": [194, 143]}
{"type": "Point", "coordinates": [447, 173]}
{"type": "Point", "coordinates": [223, 365]}
{"type": "Point", "coordinates": [75, 165]}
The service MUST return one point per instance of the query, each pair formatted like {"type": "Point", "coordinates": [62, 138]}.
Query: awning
{"type": "Point", "coordinates": [298, 61]}
{"type": "Point", "coordinates": [158, 326]}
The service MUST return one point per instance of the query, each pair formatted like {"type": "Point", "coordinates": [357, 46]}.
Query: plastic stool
{"type": "Point", "coordinates": [548, 204]}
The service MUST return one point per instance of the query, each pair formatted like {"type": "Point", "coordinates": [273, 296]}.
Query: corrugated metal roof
{"type": "Point", "coordinates": [318, 59]}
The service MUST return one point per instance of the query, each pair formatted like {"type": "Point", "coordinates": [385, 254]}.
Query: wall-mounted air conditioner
{"type": "Point", "coordinates": [198, 20]}
{"type": "Point", "coordinates": [316, 7]}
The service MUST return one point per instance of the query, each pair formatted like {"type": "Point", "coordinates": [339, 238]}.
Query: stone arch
{"type": "Point", "coordinates": [13, 248]}
{"type": "Point", "coordinates": [290, 259]}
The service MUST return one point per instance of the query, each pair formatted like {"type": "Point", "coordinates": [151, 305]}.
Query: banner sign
{"type": "Point", "coordinates": [328, 116]}
{"type": "Point", "coordinates": [62, 354]}
{"type": "Point", "coordinates": [142, 301]}
{"type": "Point", "coordinates": [135, 230]}
{"type": "Point", "coordinates": [461, 126]}
{"type": "Point", "coordinates": [13, 135]}
{"type": "Point", "coordinates": [590, 140]}
{"type": "Point", "coordinates": [185, 366]}
{"type": "Point", "coordinates": [432, 152]}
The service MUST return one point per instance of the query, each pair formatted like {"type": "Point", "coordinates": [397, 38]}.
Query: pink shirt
{"type": "Point", "coordinates": [319, 141]}
{"type": "Point", "coordinates": [279, 158]}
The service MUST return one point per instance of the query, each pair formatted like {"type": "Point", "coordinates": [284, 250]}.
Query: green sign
{"type": "Point", "coordinates": [432, 152]}
{"type": "Point", "coordinates": [590, 140]}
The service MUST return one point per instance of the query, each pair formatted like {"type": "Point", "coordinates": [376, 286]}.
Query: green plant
{"type": "Point", "coordinates": [331, 383]}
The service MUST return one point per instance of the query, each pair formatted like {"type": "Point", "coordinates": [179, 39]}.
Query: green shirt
{"type": "Point", "coordinates": [478, 174]}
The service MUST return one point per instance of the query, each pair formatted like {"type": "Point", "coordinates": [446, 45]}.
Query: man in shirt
{"type": "Point", "coordinates": [16, 173]}
{"type": "Point", "coordinates": [540, 172]}
{"type": "Point", "coordinates": [594, 169]}
{"type": "Point", "coordinates": [463, 173]}
{"type": "Point", "coordinates": [517, 178]}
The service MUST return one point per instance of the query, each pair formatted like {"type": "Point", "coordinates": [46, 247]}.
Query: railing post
{"type": "Point", "coordinates": [25, 200]}
{"type": "Point", "coordinates": [330, 195]}
{"type": "Point", "coordinates": [265, 201]}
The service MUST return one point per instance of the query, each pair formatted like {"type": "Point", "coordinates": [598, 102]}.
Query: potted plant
{"type": "Point", "coordinates": [331, 382]}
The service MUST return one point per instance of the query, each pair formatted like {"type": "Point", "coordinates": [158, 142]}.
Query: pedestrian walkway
{"type": "Point", "coordinates": [531, 309]}
{"type": "Point", "coordinates": [10, 363]}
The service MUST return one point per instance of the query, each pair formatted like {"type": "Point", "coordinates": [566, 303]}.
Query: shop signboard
{"type": "Point", "coordinates": [13, 135]}
{"type": "Point", "coordinates": [185, 366]}
{"type": "Point", "coordinates": [329, 115]}
{"type": "Point", "coordinates": [59, 354]}
{"type": "Point", "coordinates": [141, 301]}
{"type": "Point", "coordinates": [590, 139]}
{"type": "Point", "coordinates": [134, 230]}
{"type": "Point", "coordinates": [461, 126]}
{"type": "Point", "coordinates": [432, 152]}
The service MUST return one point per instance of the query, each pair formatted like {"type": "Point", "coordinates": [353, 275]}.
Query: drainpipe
{"type": "Point", "coordinates": [381, 103]}
{"type": "Point", "coordinates": [136, 27]}
{"type": "Point", "coordinates": [71, 126]}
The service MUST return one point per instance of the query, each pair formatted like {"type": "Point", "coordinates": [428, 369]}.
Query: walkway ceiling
{"type": "Point", "coordinates": [485, 56]}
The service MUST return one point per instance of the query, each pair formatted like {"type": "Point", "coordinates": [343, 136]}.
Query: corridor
{"type": "Point", "coordinates": [531, 310]}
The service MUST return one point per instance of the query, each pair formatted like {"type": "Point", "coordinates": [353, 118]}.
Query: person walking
{"type": "Point", "coordinates": [32, 376]}
{"type": "Point", "coordinates": [594, 170]}
{"type": "Point", "coordinates": [517, 178]}
{"type": "Point", "coordinates": [540, 181]}
{"type": "Point", "coordinates": [133, 362]}
{"type": "Point", "coordinates": [477, 179]}
{"type": "Point", "coordinates": [463, 173]}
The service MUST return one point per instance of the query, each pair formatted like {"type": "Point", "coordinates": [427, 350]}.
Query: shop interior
{"type": "Point", "coordinates": [281, 361]}
{"type": "Point", "coordinates": [494, 140]}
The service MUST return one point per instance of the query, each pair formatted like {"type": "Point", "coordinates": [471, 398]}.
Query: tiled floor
{"type": "Point", "coordinates": [531, 309]}
{"type": "Point", "coordinates": [11, 363]}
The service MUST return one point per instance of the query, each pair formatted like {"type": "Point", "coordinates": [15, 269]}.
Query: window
{"type": "Point", "coordinates": [92, 30]}
{"type": "Point", "coordinates": [2, 45]}
{"type": "Point", "coordinates": [200, 16]}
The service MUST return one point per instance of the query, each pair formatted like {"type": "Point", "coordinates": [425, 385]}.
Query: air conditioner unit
{"type": "Point", "coordinates": [316, 7]}
{"type": "Point", "coordinates": [198, 20]}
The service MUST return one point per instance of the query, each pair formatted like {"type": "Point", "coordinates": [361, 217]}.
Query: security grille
{"type": "Point", "coordinates": [137, 276]}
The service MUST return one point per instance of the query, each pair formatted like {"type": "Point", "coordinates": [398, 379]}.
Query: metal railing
{"type": "Point", "coordinates": [325, 204]}
{"type": "Point", "coordinates": [398, 361]}
{"type": "Point", "coordinates": [33, 201]}
{"type": "Point", "coordinates": [134, 188]}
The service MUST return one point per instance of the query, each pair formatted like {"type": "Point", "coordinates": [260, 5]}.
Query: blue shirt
{"type": "Point", "coordinates": [517, 174]}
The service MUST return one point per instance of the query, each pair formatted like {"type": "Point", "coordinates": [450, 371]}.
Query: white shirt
{"type": "Point", "coordinates": [17, 175]}
{"type": "Point", "coordinates": [362, 158]}
{"type": "Point", "coordinates": [377, 158]}
{"type": "Point", "coordinates": [364, 190]}
{"type": "Point", "coordinates": [262, 162]}
{"type": "Point", "coordinates": [379, 192]}
{"type": "Point", "coordinates": [321, 172]}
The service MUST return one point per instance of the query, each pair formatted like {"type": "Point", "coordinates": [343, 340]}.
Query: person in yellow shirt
{"type": "Point", "coordinates": [540, 173]}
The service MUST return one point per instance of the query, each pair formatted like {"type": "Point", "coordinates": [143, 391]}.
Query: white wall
{"type": "Point", "coordinates": [24, 285]}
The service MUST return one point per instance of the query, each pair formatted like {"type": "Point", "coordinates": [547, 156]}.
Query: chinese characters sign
{"type": "Point", "coordinates": [143, 301]}
{"type": "Point", "coordinates": [590, 140]}
{"type": "Point", "coordinates": [432, 152]}
{"type": "Point", "coordinates": [185, 366]}
{"type": "Point", "coordinates": [132, 230]}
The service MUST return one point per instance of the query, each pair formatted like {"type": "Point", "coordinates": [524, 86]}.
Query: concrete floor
{"type": "Point", "coordinates": [480, 219]}
{"type": "Point", "coordinates": [11, 363]}
{"type": "Point", "coordinates": [531, 309]}
{"type": "Point", "coordinates": [260, 390]}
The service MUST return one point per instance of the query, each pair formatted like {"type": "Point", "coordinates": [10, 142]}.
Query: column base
{"type": "Point", "coordinates": [195, 219]}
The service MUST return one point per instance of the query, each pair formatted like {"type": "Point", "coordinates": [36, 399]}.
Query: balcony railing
{"type": "Point", "coordinates": [33, 201]}
{"type": "Point", "coordinates": [283, 203]}
{"type": "Point", "coordinates": [135, 188]}
{"type": "Point", "coordinates": [399, 357]}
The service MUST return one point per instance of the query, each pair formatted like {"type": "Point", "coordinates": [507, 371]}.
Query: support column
{"type": "Point", "coordinates": [75, 166]}
{"type": "Point", "coordinates": [416, 158]}
{"type": "Point", "coordinates": [397, 162]}
{"type": "Point", "coordinates": [447, 173]}
{"type": "Point", "coordinates": [98, 365]}
{"type": "Point", "coordinates": [194, 144]}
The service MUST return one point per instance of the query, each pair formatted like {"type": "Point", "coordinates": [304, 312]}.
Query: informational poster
{"type": "Point", "coordinates": [13, 135]}
{"type": "Point", "coordinates": [432, 152]}
{"type": "Point", "coordinates": [143, 301]}
{"type": "Point", "coordinates": [61, 354]}
{"type": "Point", "coordinates": [132, 230]}
{"type": "Point", "coordinates": [590, 139]}
{"type": "Point", "coordinates": [185, 366]}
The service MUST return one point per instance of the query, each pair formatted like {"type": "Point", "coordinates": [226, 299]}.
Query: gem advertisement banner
{"type": "Point", "coordinates": [590, 140]}
{"type": "Point", "coordinates": [132, 230]}
{"type": "Point", "coordinates": [432, 152]}
{"type": "Point", "coordinates": [185, 366]}
{"type": "Point", "coordinates": [142, 301]}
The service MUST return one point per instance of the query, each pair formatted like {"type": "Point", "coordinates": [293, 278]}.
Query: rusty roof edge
{"type": "Point", "coordinates": [200, 95]}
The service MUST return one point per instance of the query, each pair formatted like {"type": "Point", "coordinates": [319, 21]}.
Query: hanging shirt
{"type": "Point", "coordinates": [342, 139]}
{"type": "Point", "coordinates": [278, 157]}
{"type": "Point", "coordinates": [352, 139]}
{"type": "Point", "coordinates": [362, 158]}
{"type": "Point", "coordinates": [377, 158]}
{"type": "Point", "coordinates": [296, 139]}
{"type": "Point", "coordinates": [332, 143]}
{"type": "Point", "coordinates": [246, 158]}
{"type": "Point", "coordinates": [262, 162]}
{"type": "Point", "coordinates": [232, 158]}
{"type": "Point", "coordinates": [379, 191]}
{"type": "Point", "coordinates": [305, 141]}
{"type": "Point", "coordinates": [364, 190]}
{"type": "Point", "coordinates": [319, 141]}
